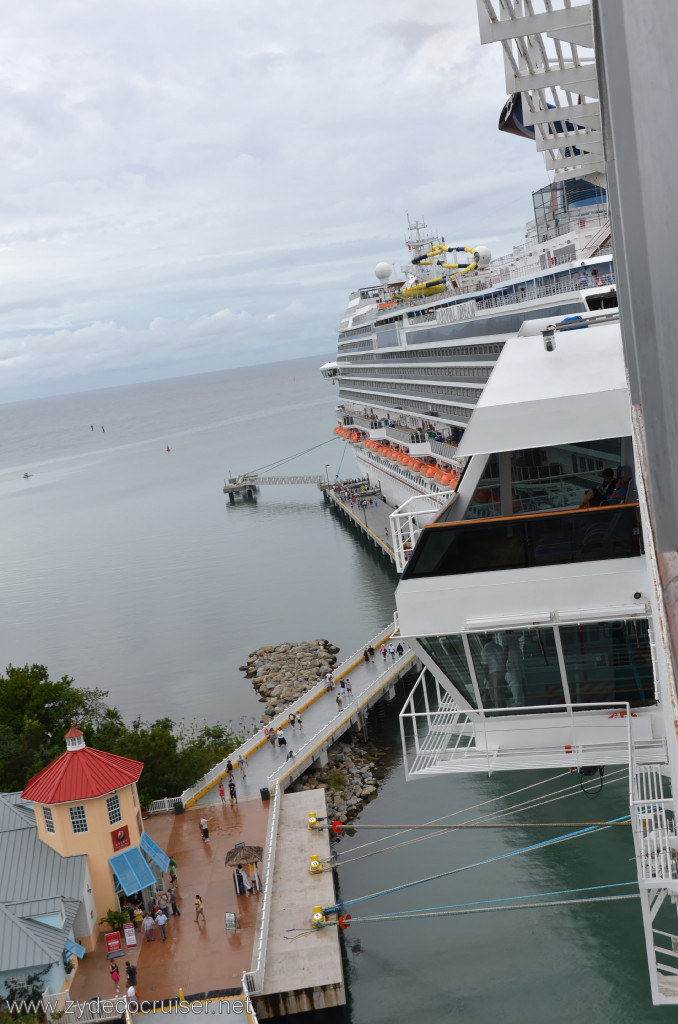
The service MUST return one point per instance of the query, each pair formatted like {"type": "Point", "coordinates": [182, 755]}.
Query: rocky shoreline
{"type": "Point", "coordinates": [282, 673]}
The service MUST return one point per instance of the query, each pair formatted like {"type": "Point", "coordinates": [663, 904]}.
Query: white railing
{"type": "Point", "coordinates": [164, 806]}
{"type": "Point", "coordinates": [253, 981]}
{"type": "Point", "coordinates": [409, 519]}
{"type": "Point", "coordinates": [653, 815]}
{"type": "Point", "coordinates": [90, 1011]}
{"type": "Point", "coordinates": [260, 737]}
{"type": "Point", "coordinates": [530, 736]}
{"type": "Point", "coordinates": [337, 725]}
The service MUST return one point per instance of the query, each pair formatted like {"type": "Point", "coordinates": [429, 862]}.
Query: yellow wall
{"type": "Point", "coordinates": [96, 843]}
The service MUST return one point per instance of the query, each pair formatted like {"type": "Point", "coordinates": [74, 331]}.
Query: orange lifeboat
{"type": "Point", "coordinates": [439, 476]}
{"type": "Point", "coordinates": [403, 459]}
{"type": "Point", "coordinates": [394, 455]}
{"type": "Point", "coordinates": [337, 430]}
{"type": "Point", "coordinates": [445, 479]}
{"type": "Point", "coordinates": [416, 465]}
{"type": "Point", "coordinates": [430, 472]}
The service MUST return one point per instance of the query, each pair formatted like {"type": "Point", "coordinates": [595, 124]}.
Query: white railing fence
{"type": "Point", "coordinates": [253, 980]}
{"type": "Point", "coordinates": [409, 519]}
{"type": "Point", "coordinates": [281, 719]}
{"type": "Point", "coordinates": [336, 725]}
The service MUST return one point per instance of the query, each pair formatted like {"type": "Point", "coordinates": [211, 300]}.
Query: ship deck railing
{"type": "Point", "coordinates": [468, 309]}
{"type": "Point", "coordinates": [409, 520]}
{"type": "Point", "coordinates": [569, 735]}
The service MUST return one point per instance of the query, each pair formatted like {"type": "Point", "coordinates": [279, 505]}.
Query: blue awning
{"type": "Point", "coordinates": [73, 948]}
{"type": "Point", "coordinates": [131, 870]}
{"type": "Point", "coordinates": [152, 850]}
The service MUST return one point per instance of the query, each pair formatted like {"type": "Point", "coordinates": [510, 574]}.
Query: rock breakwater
{"type": "Point", "coordinates": [282, 673]}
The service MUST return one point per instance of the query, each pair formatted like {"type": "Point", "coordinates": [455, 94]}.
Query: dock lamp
{"type": "Point", "coordinates": [327, 466]}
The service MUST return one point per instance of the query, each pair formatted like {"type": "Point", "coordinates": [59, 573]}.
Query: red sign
{"type": "Point", "coordinates": [130, 934]}
{"type": "Point", "coordinates": [113, 942]}
{"type": "Point", "coordinates": [120, 837]}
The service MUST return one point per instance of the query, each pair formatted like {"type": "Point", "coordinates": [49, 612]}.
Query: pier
{"type": "Point", "coordinates": [284, 977]}
{"type": "Point", "coordinates": [372, 518]}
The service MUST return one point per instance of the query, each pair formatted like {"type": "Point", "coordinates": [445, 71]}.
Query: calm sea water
{"type": "Point", "coordinates": [124, 566]}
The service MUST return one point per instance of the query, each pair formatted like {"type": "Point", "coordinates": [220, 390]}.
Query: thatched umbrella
{"type": "Point", "coordinates": [243, 855]}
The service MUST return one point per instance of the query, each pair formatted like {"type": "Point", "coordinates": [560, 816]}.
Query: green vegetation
{"type": "Point", "coordinates": [36, 713]}
{"type": "Point", "coordinates": [336, 780]}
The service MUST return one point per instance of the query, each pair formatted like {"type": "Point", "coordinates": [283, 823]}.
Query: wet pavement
{"type": "Point", "coordinates": [202, 957]}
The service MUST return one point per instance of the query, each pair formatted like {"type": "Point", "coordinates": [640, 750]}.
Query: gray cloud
{"type": "Point", "coordinates": [195, 185]}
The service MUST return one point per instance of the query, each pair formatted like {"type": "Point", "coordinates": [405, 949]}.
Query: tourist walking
{"type": "Point", "coordinates": [348, 685]}
{"type": "Point", "coordinates": [299, 722]}
{"type": "Point", "coordinates": [293, 719]}
{"type": "Point", "coordinates": [242, 765]}
{"type": "Point", "coordinates": [131, 972]}
{"type": "Point", "coordinates": [366, 656]}
{"type": "Point", "coordinates": [115, 976]}
{"type": "Point", "coordinates": [391, 651]}
{"type": "Point", "coordinates": [138, 917]}
{"type": "Point", "coordinates": [233, 796]}
{"type": "Point", "coordinates": [204, 830]}
{"type": "Point", "coordinates": [222, 793]}
{"type": "Point", "coordinates": [271, 737]}
{"type": "Point", "coordinates": [161, 921]}
{"type": "Point", "coordinates": [370, 651]}
{"type": "Point", "coordinates": [400, 650]}
{"type": "Point", "coordinates": [149, 928]}
{"type": "Point", "coordinates": [282, 742]}
{"type": "Point", "coordinates": [199, 909]}
{"type": "Point", "coordinates": [229, 768]}
{"type": "Point", "coordinates": [173, 903]}
{"type": "Point", "coordinates": [340, 701]}
{"type": "Point", "coordinates": [163, 901]}
{"type": "Point", "coordinates": [384, 652]}
{"type": "Point", "coordinates": [329, 680]}
{"type": "Point", "coordinates": [342, 688]}
{"type": "Point", "coordinates": [173, 871]}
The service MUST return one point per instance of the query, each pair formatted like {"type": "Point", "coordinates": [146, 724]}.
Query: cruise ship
{"type": "Point", "coordinates": [496, 404]}
{"type": "Point", "coordinates": [415, 354]}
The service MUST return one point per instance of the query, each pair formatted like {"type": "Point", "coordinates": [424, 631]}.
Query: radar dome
{"type": "Point", "coordinates": [383, 271]}
{"type": "Point", "coordinates": [484, 255]}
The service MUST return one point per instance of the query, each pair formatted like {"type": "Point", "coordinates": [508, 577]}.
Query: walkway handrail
{"type": "Point", "coordinates": [253, 981]}
{"type": "Point", "coordinates": [336, 724]}
{"type": "Point", "coordinates": [193, 793]}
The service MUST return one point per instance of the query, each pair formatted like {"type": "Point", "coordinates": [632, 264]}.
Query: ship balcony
{"type": "Point", "coordinates": [473, 574]}
{"type": "Point", "coordinates": [439, 737]}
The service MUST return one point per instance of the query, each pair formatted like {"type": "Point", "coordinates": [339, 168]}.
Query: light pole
{"type": "Point", "coordinates": [327, 466]}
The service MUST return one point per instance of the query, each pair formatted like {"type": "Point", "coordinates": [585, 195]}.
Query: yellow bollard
{"type": "Point", "coordinates": [316, 866]}
{"type": "Point", "coordinates": [318, 918]}
{"type": "Point", "coordinates": [312, 819]}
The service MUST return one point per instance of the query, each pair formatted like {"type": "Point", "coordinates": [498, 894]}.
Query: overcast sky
{"type": "Point", "coordinates": [191, 185]}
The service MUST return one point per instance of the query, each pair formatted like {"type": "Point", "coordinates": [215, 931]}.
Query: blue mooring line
{"type": "Point", "coordinates": [480, 863]}
{"type": "Point", "coordinates": [506, 899]}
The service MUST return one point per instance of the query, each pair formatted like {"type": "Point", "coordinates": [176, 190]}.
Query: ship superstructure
{"type": "Point", "coordinates": [415, 354]}
{"type": "Point", "coordinates": [529, 585]}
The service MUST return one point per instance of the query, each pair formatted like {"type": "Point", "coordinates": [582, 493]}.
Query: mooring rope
{"type": "Point", "coordinates": [481, 863]}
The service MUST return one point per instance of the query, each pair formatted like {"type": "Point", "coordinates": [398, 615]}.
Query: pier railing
{"type": "Point", "coordinates": [253, 980]}
{"type": "Point", "coordinates": [337, 725]}
{"type": "Point", "coordinates": [193, 793]}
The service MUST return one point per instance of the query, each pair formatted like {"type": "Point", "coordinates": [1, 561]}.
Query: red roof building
{"type": "Point", "coordinates": [81, 773]}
